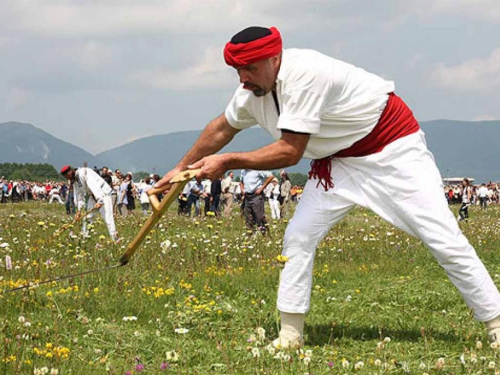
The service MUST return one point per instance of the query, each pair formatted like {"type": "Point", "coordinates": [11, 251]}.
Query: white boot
{"type": "Point", "coordinates": [493, 327]}
{"type": "Point", "coordinates": [292, 328]}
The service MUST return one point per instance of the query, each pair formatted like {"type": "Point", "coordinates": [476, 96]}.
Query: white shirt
{"type": "Point", "coordinates": [89, 182]}
{"type": "Point", "coordinates": [336, 102]}
{"type": "Point", "coordinates": [482, 192]}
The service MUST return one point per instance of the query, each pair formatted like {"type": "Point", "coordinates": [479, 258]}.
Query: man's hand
{"type": "Point", "coordinates": [259, 190]}
{"type": "Point", "coordinates": [212, 167]}
{"type": "Point", "coordinates": [98, 206]}
{"type": "Point", "coordinates": [164, 183]}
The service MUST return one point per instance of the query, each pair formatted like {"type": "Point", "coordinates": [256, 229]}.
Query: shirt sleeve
{"type": "Point", "coordinates": [301, 112]}
{"type": "Point", "coordinates": [95, 185]}
{"type": "Point", "coordinates": [238, 110]}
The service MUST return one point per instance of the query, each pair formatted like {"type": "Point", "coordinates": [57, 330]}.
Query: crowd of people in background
{"type": "Point", "coordinates": [216, 197]}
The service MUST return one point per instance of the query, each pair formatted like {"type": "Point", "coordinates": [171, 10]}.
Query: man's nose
{"type": "Point", "coordinates": [243, 76]}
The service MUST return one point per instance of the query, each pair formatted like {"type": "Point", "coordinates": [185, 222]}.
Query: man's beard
{"type": "Point", "coordinates": [258, 91]}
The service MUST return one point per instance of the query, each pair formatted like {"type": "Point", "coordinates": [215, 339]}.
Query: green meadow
{"type": "Point", "coordinates": [199, 298]}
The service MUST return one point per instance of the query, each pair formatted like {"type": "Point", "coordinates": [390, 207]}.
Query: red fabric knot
{"type": "Point", "coordinates": [241, 54]}
{"type": "Point", "coordinates": [321, 169]}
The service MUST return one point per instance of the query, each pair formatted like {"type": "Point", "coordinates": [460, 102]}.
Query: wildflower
{"type": "Point", "coordinates": [422, 366]}
{"type": "Point", "coordinates": [90, 332]}
{"type": "Point", "coordinates": [440, 363]}
{"type": "Point", "coordinates": [479, 345]}
{"type": "Point", "coordinates": [282, 258]}
{"type": "Point", "coordinates": [359, 365]}
{"type": "Point", "coordinates": [491, 365]}
{"type": "Point", "coordinates": [181, 330]}
{"type": "Point", "coordinates": [21, 319]}
{"type": "Point", "coordinates": [307, 361]}
{"type": "Point", "coordinates": [255, 352]}
{"type": "Point", "coordinates": [377, 363]}
{"type": "Point", "coordinates": [129, 318]}
{"type": "Point", "coordinates": [261, 332]}
{"type": "Point", "coordinates": [271, 350]}
{"type": "Point", "coordinates": [309, 353]}
{"type": "Point", "coordinates": [164, 366]}
{"type": "Point", "coordinates": [172, 356]}
{"type": "Point", "coordinates": [387, 339]}
{"type": "Point", "coordinates": [3, 245]}
{"type": "Point", "coordinates": [139, 367]}
{"type": "Point", "coordinates": [41, 223]}
{"type": "Point", "coordinates": [345, 363]}
{"type": "Point", "coordinates": [54, 371]}
{"type": "Point", "coordinates": [330, 364]}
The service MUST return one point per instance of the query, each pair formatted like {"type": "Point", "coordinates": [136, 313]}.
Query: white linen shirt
{"type": "Point", "coordinates": [89, 182]}
{"type": "Point", "coordinates": [333, 101]}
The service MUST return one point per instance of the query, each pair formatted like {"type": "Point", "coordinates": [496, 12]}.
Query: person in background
{"type": "Point", "coordinates": [227, 195]}
{"type": "Point", "coordinates": [144, 198]}
{"type": "Point", "coordinates": [274, 203]}
{"type": "Point", "coordinates": [252, 184]}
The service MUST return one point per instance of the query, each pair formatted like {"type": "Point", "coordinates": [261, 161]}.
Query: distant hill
{"type": "Point", "coordinates": [25, 143]}
{"type": "Point", "coordinates": [460, 148]}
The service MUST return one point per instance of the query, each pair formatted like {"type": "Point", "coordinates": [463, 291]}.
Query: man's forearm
{"type": "Point", "coordinates": [285, 152]}
{"type": "Point", "coordinates": [213, 138]}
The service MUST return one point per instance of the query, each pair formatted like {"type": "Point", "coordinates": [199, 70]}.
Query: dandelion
{"type": "Point", "coordinates": [359, 365]}
{"type": "Point", "coordinates": [182, 331]}
{"type": "Point", "coordinates": [41, 223]}
{"type": "Point", "coordinates": [282, 259]}
{"type": "Point", "coordinates": [479, 345]}
{"type": "Point", "coordinates": [377, 363]}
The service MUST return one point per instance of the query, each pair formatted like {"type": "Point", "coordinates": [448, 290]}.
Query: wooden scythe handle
{"type": "Point", "coordinates": [177, 183]}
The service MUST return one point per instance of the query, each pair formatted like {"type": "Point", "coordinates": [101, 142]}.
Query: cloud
{"type": "Point", "coordinates": [16, 97]}
{"type": "Point", "coordinates": [481, 10]}
{"type": "Point", "coordinates": [475, 74]}
{"type": "Point", "coordinates": [209, 72]}
{"type": "Point", "coordinates": [484, 118]}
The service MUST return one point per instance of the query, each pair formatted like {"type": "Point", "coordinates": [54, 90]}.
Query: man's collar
{"type": "Point", "coordinates": [283, 66]}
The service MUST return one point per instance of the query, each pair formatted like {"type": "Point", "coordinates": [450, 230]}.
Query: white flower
{"type": "Point", "coordinates": [309, 353]}
{"type": "Point", "coordinates": [129, 318]}
{"type": "Point", "coordinates": [422, 366]}
{"type": "Point", "coordinates": [21, 319]}
{"type": "Point", "coordinates": [3, 245]}
{"type": "Point", "coordinates": [440, 363]}
{"type": "Point", "coordinates": [172, 356]}
{"type": "Point", "coordinates": [158, 333]}
{"type": "Point", "coordinates": [261, 332]}
{"type": "Point", "coordinates": [90, 332]}
{"type": "Point", "coordinates": [137, 333]}
{"type": "Point", "coordinates": [377, 363]}
{"type": "Point", "coordinates": [491, 365]}
{"type": "Point", "coordinates": [44, 370]}
{"type": "Point", "coordinates": [307, 361]}
{"type": "Point", "coordinates": [479, 345]}
{"type": "Point", "coordinates": [387, 339]}
{"type": "Point", "coordinates": [181, 330]}
{"type": "Point", "coordinates": [462, 359]}
{"type": "Point", "coordinates": [27, 324]}
{"type": "Point", "coordinates": [359, 365]}
{"type": "Point", "coordinates": [345, 363]}
{"type": "Point", "coordinates": [271, 350]}
{"type": "Point", "coordinates": [255, 352]}
{"type": "Point", "coordinates": [54, 371]}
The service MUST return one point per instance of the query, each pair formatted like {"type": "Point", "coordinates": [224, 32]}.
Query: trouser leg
{"type": "Point", "coordinates": [407, 192]}
{"type": "Point", "coordinates": [107, 214]}
{"type": "Point", "coordinates": [316, 213]}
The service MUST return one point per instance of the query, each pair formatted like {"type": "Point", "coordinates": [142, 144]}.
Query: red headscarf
{"type": "Point", "coordinates": [247, 53]}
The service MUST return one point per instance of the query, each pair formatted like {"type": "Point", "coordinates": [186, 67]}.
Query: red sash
{"type": "Point", "coordinates": [396, 121]}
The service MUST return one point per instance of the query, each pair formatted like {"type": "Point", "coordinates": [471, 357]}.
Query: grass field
{"type": "Point", "coordinates": [199, 298]}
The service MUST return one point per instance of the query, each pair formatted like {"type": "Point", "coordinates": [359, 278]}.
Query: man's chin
{"type": "Point", "coordinates": [259, 92]}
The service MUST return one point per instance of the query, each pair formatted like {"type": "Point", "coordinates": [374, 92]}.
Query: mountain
{"type": "Point", "coordinates": [25, 143]}
{"type": "Point", "coordinates": [160, 153]}
{"type": "Point", "coordinates": [460, 148]}
{"type": "Point", "coordinates": [466, 149]}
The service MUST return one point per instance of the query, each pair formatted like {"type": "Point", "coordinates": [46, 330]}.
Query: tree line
{"type": "Point", "coordinates": [28, 171]}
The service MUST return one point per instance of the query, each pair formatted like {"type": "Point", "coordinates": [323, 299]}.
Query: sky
{"type": "Point", "coordinates": [102, 73]}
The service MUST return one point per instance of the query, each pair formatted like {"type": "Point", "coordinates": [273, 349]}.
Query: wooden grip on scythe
{"type": "Point", "coordinates": [158, 208]}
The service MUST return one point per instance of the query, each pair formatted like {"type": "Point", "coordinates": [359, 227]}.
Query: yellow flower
{"type": "Point", "coordinates": [41, 223]}
{"type": "Point", "coordinates": [282, 258]}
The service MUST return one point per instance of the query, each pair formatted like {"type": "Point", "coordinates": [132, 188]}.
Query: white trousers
{"type": "Point", "coordinates": [106, 212]}
{"type": "Point", "coordinates": [402, 185]}
{"type": "Point", "coordinates": [275, 208]}
{"type": "Point", "coordinates": [56, 197]}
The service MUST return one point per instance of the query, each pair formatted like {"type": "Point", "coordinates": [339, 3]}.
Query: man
{"type": "Point", "coordinates": [368, 150]}
{"type": "Point", "coordinates": [466, 196]}
{"type": "Point", "coordinates": [215, 193]}
{"type": "Point", "coordinates": [227, 194]}
{"type": "Point", "coordinates": [86, 182]}
{"type": "Point", "coordinates": [285, 187]}
{"type": "Point", "coordinates": [482, 193]}
{"type": "Point", "coordinates": [194, 191]}
{"type": "Point", "coordinates": [253, 184]}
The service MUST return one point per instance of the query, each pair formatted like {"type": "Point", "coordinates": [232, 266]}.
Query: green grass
{"type": "Point", "coordinates": [207, 276]}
